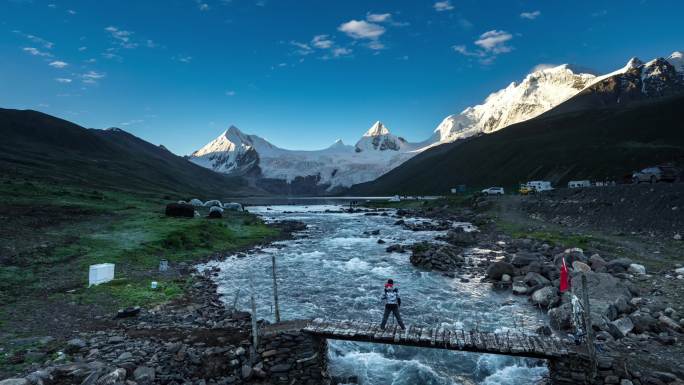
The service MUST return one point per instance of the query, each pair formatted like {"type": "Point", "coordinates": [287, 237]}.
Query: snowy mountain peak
{"type": "Point", "coordinates": [634, 62]}
{"type": "Point", "coordinates": [377, 129]}
{"type": "Point", "coordinates": [677, 60]}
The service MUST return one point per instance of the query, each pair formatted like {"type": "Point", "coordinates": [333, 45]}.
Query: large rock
{"type": "Point", "coordinates": [74, 345]}
{"type": "Point", "coordinates": [521, 259]}
{"type": "Point", "coordinates": [519, 288]}
{"type": "Point", "coordinates": [597, 263]}
{"type": "Point", "coordinates": [545, 297]}
{"type": "Point", "coordinates": [436, 257]}
{"type": "Point", "coordinates": [498, 269]}
{"type": "Point", "coordinates": [580, 266]}
{"type": "Point", "coordinates": [536, 280]}
{"type": "Point", "coordinates": [460, 237]}
{"type": "Point", "coordinates": [643, 322]}
{"type": "Point", "coordinates": [620, 327]}
{"type": "Point", "coordinates": [570, 255]}
{"type": "Point", "coordinates": [669, 323]}
{"type": "Point", "coordinates": [603, 290]}
{"type": "Point", "coordinates": [144, 375]}
{"type": "Point", "coordinates": [617, 266]}
{"type": "Point", "coordinates": [636, 268]}
{"type": "Point", "coordinates": [560, 318]}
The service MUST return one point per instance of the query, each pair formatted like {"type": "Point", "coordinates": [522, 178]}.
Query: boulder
{"type": "Point", "coordinates": [560, 318]}
{"type": "Point", "coordinates": [636, 268]}
{"type": "Point", "coordinates": [580, 266]}
{"type": "Point", "coordinates": [570, 255]}
{"type": "Point", "coordinates": [545, 297]}
{"type": "Point", "coordinates": [505, 278]}
{"type": "Point", "coordinates": [395, 249]}
{"type": "Point", "coordinates": [669, 323]}
{"type": "Point", "coordinates": [521, 259]}
{"type": "Point", "coordinates": [643, 322]}
{"type": "Point", "coordinates": [597, 263]}
{"type": "Point", "coordinates": [519, 288]}
{"type": "Point", "coordinates": [179, 210]}
{"type": "Point", "coordinates": [497, 269]}
{"type": "Point", "coordinates": [620, 327]}
{"type": "Point", "coordinates": [74, 345]}
{"type": "Point", "coordinates": [460, 237]}
{"type": "Point", "coordinates": [617, 266]}
{"type": "Point", "coordinates": [604, 289]}
{"type": "Point", "coordinates": [536, 280]}
{"type": "Point", "coordinates": [196, 202]}
{"type": "Point", "coordinates": [623, 306]}
{"type": "Point", "coordinates": [213, 203]}
{"type": "Point", "coordinates": [144, 375]}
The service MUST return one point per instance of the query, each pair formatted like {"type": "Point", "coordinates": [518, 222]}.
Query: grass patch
{"type": "Point", "coordinates": [132, 292]}
{"type": "Point", "coordinates": [550, 237]}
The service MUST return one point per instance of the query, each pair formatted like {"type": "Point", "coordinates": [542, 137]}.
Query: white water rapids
{"type": "Point", "coordinates": [333, 270]}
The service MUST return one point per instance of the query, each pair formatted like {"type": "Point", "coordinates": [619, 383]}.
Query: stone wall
{"type": "Point", "coordinates": [289, 356]}
{"type": "Point", "coordinates": [572, 370]}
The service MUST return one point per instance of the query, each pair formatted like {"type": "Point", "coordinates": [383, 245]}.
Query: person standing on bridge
{"type": "Point", "coordinates": [392, 303]}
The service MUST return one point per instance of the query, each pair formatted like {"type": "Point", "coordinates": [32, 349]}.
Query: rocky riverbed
{"type": "Point", "coordinates": [638, 327]}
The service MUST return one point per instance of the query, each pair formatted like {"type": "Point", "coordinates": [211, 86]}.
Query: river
{"type": "Point", "coordinates": [334, 270]}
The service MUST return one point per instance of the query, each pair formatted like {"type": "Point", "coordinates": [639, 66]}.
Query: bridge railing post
{"type": "Point", "coordinates": [591, 349]}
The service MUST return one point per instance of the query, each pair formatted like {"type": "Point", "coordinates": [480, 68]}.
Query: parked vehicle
{"type": "Point", "coordinates": [656, 174]}
{"type": "Point", "coordinates": [535, 186]}
{"type": "Point", "coordinates": [493, 191]}
{"type": "Point", "coordinates": [579, 183]}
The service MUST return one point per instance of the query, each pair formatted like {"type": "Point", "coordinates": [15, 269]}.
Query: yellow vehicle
{"type": "Point", "coordinates": [525, 189]}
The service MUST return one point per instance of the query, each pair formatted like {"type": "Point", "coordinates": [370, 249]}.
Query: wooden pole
{"type": "Point", "coordinates": [255, 330]}
{"type": "Point", "coordinates": [589, 330]}
{"type": "Point", "coordinates": [275, 289]}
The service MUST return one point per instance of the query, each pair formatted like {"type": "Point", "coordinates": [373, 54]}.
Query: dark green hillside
{"type": "Point", "coordinates": [589, 144]}
{"type": "Point", "coordinates": [39, 146]}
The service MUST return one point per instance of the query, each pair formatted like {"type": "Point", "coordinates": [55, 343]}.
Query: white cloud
{"type": "Point", "coordinates": [204, 7]}
{"type": "Point", "coordinates": [58, 64]}
{"type": "Point", "coordinates": [361, 29]}
{"type": "Point", "coordinates": [302, 48]}
{"type": "Point", "coordinates": [183, 59]}
{"type": "Point", "coordinates": [530, 15]}
{"type": "Point", "coordinates": [52, 5]}
{"type": "Point", "coordinates": [490, 43]}
{"type": "Point", "coordinates": [71, 12]}
{"type": "Point", "coordinates": [36, 52]}
{"type": "Point", "coordinates": [378, 17]}
{"type": "Point", "coordinates": [63, 80]}
{"type": "Point", "coordinates": [81, 49]}
{"type": "Point", "coordinates": [322, 41]}
{"type": "Point", "coordinates": [543, 66]}
{"type": "Point", "coordinates": [442, 6]}
{"type": "Point", "coordinates": [494, 41]}
{"type": "Point", "coordinates": [123, 36]}
{"type": "Point", "coordinates": [230, 93]}
{"type": "Point", "coordinates": [91, 77]}
{"type": "Point", "coordinates": [36, 39]}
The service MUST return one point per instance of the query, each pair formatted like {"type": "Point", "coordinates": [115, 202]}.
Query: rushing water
{"type": "Point", "coordinates": [335, 271]}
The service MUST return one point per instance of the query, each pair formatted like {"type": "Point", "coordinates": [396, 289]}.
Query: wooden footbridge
{"type": "Point", "coordinates": [509, 343]}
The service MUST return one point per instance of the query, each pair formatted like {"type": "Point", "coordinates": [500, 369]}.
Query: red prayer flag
{"type": "Point", "coordinates": [564, 279]}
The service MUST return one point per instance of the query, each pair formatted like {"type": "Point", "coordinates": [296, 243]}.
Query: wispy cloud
{"type": "Point", "coordinates": [92, 77]}
{"type": "Point", "coordinates": [71, 12]}
{"type": "Point", "coordinates": [123, 37]}
{"type": "Point", "coordinates": [341, 51]}
{"type": "Point", "coordinates": [203, 7]}
{"type": "Point", "coordinates": [36, 52]}
{"type": "Point", "coordinates": [490, 44]}
{"type": "Point", "coordinates": [530, 15]}
{"type": "Point", "coordinates": [230, 93]}
{"type": "Point", "coordinates": [63, 80]}
{"type": "Point", "coordinates": [302, 49]}
{"type": "Point", "coordinates": [131, 122]}
{"type": "Point", "coordinates": [182, 58]}
{"type": "Point", "coordinates": [58, 64]}
{"type": "Point", "coordinates": [378, 17]}
{"type": "Point", "coordinates": [599, 13]}
{"type": "Point", "coordinates": [322, 41]}
{"type": "Point", "coordinates": [442, 6]}
{"type": "Point", "coordinates": [494, 41]}
{"type": "Point", "coordinates": [35, 39]}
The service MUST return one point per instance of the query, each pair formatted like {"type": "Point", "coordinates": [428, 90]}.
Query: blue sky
{"type": "Point", "coordinates": [302, 73]}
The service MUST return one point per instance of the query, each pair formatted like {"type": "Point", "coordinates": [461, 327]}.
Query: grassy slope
{"type": "Point", "coordinates": [51, 233]}
{"type": "Point", "coordinates": [596, 144]}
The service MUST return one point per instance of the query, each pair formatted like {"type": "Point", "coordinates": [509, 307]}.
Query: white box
{"type": "Point", "coordinates": [101, 273]}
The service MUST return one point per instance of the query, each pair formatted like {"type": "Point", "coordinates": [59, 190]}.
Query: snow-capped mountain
{"type": "Point", "coordinates": [553, 90]}
{"type": "Point", "coordinates": [539, 92]}
{"type": "Point", "coordinates": [377, 152]}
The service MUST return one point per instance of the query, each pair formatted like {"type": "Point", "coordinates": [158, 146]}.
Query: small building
{"type": "Point", "coordinates": [539, 185]}
{"type": "Point", "coordinates": [100, 273]}
{"type": "Point", "coordinates": [579, 183]}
